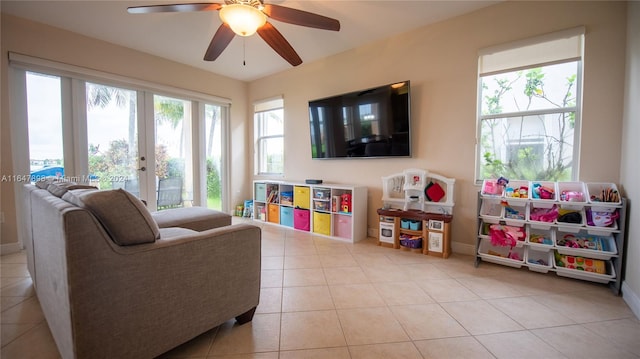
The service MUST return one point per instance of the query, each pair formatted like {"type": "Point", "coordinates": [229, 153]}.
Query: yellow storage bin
{"type": "Point", "coordinates": [322, 223]}
{"type": "Point", "coordinates": [301, 197]}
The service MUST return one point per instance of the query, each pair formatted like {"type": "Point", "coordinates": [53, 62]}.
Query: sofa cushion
{"type": "Point", "coordinates": [58, 189]}
{"type": "Point", "coordinates": [43, 183]}
{"type": "Point", "coordinates": [196, 218]}
{"type": "Point", "coordinates": [122, 214]}
{"type": "Point", "coordinates": [73, 196]}
{"type": "Point", "coordinates": [175, 232]}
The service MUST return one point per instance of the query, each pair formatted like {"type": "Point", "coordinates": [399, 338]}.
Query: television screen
{"type": "Point", "coordinates": [368, 123]}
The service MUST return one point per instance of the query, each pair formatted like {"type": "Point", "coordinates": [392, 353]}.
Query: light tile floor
{"type": "Point", "coordinates": [327, 299]}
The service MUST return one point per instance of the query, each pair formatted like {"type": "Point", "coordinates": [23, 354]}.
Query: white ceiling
{"type": "Point", "coordinates": [184, 37]}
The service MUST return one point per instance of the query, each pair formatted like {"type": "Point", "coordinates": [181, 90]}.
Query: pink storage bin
{"type": "Point", "coordinates": [342, 226]}
{"type": "Point", "coordinates": [301, 219]}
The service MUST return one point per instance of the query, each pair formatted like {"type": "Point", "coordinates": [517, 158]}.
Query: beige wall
{"type": "Point", "coordinates": [630, 171]}
{"type": "Point", "coordinates": [441, 62]}
{"type": "Point", "coordinates": [33, 39]}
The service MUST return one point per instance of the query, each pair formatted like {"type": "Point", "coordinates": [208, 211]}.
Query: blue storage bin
{"type": "Point", "coordinates": [404, 223]}
{"type": "Point", "coordinates": [286, 216]}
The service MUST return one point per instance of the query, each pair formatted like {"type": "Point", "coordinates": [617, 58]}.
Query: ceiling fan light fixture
{"type": "Point", "coordinates": [244, 20]}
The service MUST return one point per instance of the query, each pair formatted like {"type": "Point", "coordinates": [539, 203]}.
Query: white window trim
{"type": "Point", "coordinates": [36, 64]}
{"type": "Point", "coordinates": [260, 106]}
{"type": "Point", "coordinates": [576, 41]}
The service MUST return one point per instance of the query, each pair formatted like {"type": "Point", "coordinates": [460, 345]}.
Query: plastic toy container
{"type": "Point", "coordinates": [570, 216]}
{"type": "Point", "coordinates": [543, 191]}
{"type": "Point", "coordinates": [415, 225]}
{"type": "Point", "coordinates": [603, 196]}
{"type": "Point", "coordinates": [413, 243]}
{"type": "Point", "coordinates": [563, 271]}
{"type": "Point", "coordinates": [539, 261]}
{"type": "Point", "coordinates": [484, 229]}
{"type": "Point", "coordinates": [515, 212]}
{"type": "Point", "coordinates": [320, 205]}
{"type": "Point", "coordinates": [542, 214]}
{"type": "Point", "coordinates": [587, 245]}
{"type": "Point", "coordinates": [321, 193]}
{"type": "Point", "coordinates": [541, 239]}
{"type": "Point", "coordinates": [597, 218]}
{"type": "Point", "coordinates": [404, 223]}
{"type": "Point", "coordinates": [507, 235]}
{"type": "Point", "coordinates": [517, 190]}
{"type": "Point", "coordinates": [573, 192]}
{"type": "Point", "coordinates": [512, 257]}
{"type": "Point", "coordinates": [491, 210]}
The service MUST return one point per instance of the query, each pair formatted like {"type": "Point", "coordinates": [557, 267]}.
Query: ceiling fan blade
{"type": "Point", "coordinates": [299, 17]}
{"type": "Point", "coordinates": [207, 6]}
{"type": "Point", "coordinates": [275, 39]}
{"type": "Point", "coordinates": [220, 41]}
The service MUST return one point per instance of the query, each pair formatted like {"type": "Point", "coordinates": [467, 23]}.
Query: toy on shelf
{"type": "Point", "coordinates": [494, 187]}
{"type": "Point", "coordinates": [504, 235]}
{"type": "Point", "coordinates": [345, 203]}
{"type": "Point", "coordinates": [540, 191]}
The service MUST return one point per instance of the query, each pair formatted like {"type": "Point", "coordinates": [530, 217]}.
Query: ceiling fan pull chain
{"type": "Point", "coordinates": [244, 51]}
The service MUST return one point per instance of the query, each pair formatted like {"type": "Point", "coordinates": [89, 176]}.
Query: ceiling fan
{"type": "Point", "coordinates": [246, 17]}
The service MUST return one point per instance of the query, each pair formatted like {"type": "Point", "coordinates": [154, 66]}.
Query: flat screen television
{"type": "Point", "coordinates": [364, 124]}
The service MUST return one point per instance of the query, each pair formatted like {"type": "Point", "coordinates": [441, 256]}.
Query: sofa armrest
{"type": "Point", "coordinates": [189, 283]}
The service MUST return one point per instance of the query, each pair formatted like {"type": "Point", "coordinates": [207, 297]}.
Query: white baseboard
{"type": "Point", "coordinates": [631, 298]}
{"type": "Point", "coordinates": [10, 248]}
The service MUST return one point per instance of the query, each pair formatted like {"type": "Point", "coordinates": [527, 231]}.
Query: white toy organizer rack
{"type": "Point", "coordinates": [410, 190]}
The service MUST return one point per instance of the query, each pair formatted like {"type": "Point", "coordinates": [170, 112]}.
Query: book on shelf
{"type": "Point", "coordinates": [273, 197]}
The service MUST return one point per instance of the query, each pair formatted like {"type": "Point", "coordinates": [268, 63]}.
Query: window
{"type": "Point", "coordinates": [529, 108]}
{"type": "Point", "coordinates": [44, 109]}
{"type": "Point", "coordinates": [269, 137]}
{"type": "Point", "coordinates": [214, 155]}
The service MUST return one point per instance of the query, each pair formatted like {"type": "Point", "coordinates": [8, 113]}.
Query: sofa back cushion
{"type": "Point", "coordinates": [58, 189]}
{"type": "Point", "coordinates": [122, 215]}
{"type": "Point", "coordinates": [44, 182]}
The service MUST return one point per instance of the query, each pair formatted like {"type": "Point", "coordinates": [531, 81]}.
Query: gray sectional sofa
{"type": "Point", "coordinates": [116, 281]}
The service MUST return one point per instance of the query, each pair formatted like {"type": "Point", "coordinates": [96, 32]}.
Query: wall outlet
{"type": "Point", "coordinates": [372, 232]}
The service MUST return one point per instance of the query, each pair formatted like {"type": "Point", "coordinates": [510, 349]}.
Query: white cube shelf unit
{"type": "Point", "coordinates": [586, 247]}
{"type": "Point", "coordinates": [337, 211]}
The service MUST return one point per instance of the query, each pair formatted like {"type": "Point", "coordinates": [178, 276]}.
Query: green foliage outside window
{"type": "Point", "coordinates": [528, 122]}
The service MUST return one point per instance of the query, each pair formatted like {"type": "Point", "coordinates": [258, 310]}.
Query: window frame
{"type": "Point", "coordinates": [260, 109]}
{"type": "Point", "coordinates": [577, 36]}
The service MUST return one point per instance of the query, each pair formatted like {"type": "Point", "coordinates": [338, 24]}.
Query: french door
{"type": "Point", "coordinates": [112, 138]}
{"type": "Point", "coordinates": [165, 149]}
